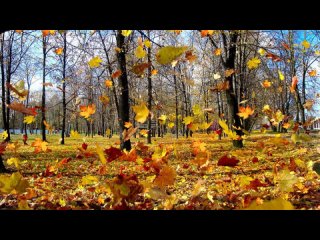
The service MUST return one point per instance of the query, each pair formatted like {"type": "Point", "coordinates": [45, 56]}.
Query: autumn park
{"type": "Point", "coordinates": [160, 120]}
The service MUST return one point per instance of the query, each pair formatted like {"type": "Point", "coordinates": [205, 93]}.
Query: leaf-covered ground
{"type": "Point", "coordinates": [270, 172]}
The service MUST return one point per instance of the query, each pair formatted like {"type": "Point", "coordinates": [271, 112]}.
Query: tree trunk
{"type": "Point", "coordinates": [43, 103]}
{"type": "Point", "coordinates": [3, 85]}
{"type": "Point", "coordinates": [124, 105]}
{"type": "Point", "coordinates": [176, 100]}
{"type": "Point", "coordinates": [149, 93]}
{"type": "Point", "coordinates": [64, 104]}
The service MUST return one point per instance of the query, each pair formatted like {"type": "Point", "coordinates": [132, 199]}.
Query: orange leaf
{"type": "Point", "coordinates": [21, 108]}
{"type": "Point", "coordinates": [312, 73]}
{"type": "Point", "coordinates": [166, 177]}
{"type": "Point", "coordinates": [108, 83]}
{"type": "Point", "coordinates": [138, 69]}
{"type": "Point", "coordinates": [116, 74]}
{"type": "Point", "coordinates": [266, 84]}
{"type": "Point", "coordinates": [221, 86]}
{"type": "Point", "coordinates": [229, 72]}
{"type": "Point", "coordinates": [217, 51]}
{"type": "Point", "coordinates": [294, 84]}
{"type": "Point", "coordinates": [87, 111]}
{"type": "Point", "coordinates": [190, 57]}
{"type": "Point", "coordinates": [154, 72]}
{"type": "Point", "coordinates": [58, 51]}
{"type": "Point", "coordinates": [127, 133]}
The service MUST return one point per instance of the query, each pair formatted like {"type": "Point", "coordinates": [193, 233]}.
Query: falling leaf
{"type": "Point", "coordinates": [47, 84]}
{"type": "Point", "coordinates": [166, 177]}
{"type": "Point", "coordinates": [104, 99]}
{"type": "Point", "coordinates": [29, 119]}
{"type": "Point", "coordinates": [273, 57]}
{"type": "Point", "coordinates": [170, 125]}
{"type": "Point", "coordinates": [162, 119]}
{"type": "Point", "coordinates": [226, 130]}
{"type": "Point", "coordinates": [144, 132]}
{"type": "Point", "coordinates": [198, 188]}
{"type": "Point", "coordinates": [166, 55]}
{"type": "Point", "coordinates": [187, 120]}
{"type": "Point", "coordinates": [108, 131]}
{"type": "Point", "coordinates": [140, 52]}
{"type": "Point", "coordinates": [245, 112]}
{"type": "Point", "coordinates": [216, 76]}
{"type": "Point", "coordinates": [4, 135]}
{"type": "Point", "coordinates": [113, 153]}
{"type": "Point", "coordinates": [87, 111]}
{"type": "Point", "coordinates": [190, 57]}
{"type": "Point", "coordinates": [19, 90]}
{"type": "Point", "coordinates": [19, 31]}
{"type": "Point", "coordinates": [261, 51]}
{"type": "Point", "coordinates": [13, 182]}
{"type": "Point", "coordinates": [23, 205]}
{"type": "Point", "coordinates": [286, 46]}
{"type": "Point", "coordinates": [312, 73]}
{"type": "Point", "coordinates": [154, 72]}
{"type": "Point", "coordinates": [100, 154]}
{"type": "Point", "coordinates": [95, 62]}
{"type": "Point", "coordinates": [253, 63]}
{"type": "Point", "coordinates": [275, 204]}
{"type": "Point", "coordinates": [48, 126]}
{"type": "Point", "coordinates": [217, 51]}
{"type": "Point", "coordinates": [127, 133]}
{"type": "Point", "coordinates": [116, 74]}
{"type": "Point", "coordinates": [58, 51]}
{"type": "Point", "coordinates": [147, 43]}
{"type": "Point", "coordinates": [139, 68]}
{"type": "Point", "coordinates": [21, 108]}
{"type": "Point", "coordinates": [286, 180]}
{"type": "Point", "coordinates": [126, 33]}
{"type": "Point", "coordinates": [254, 184]}
{"type": "Point", "coordinates": [281, 76]}
{"type": "Point", "coordinates": [205, 33]}
{"type": "Point", "coordinates": [40, 145]}
{"type": "Point", "coordinates": [222, 86]}
{"type": "Point", "coordinates": [142, 112]}
{"type": "Point", "coordinates": [227, 161]}
{"type": "Point", "coordinates": [127, 124]}
{"type": "Point", "coordinates": [108, 83]}
{"type": "Point", "coordinates": [229, 72]}
{"type": "Point", "coordinates": [308, 104]}
{"type": "Point", "coordinates": [305, 44]}
{"type": "Point", "coordinates": [74, 134]}
{"type": "Point", "coordinates": [266, 84]}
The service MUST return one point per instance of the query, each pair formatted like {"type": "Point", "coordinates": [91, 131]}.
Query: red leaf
{"type": "Point", "coordinates": [113, 153]}
{"type": "Point", "coordinates": [3, 146]}
{"type": "Point", "coordinates": [255, 160]}
{"type": "Point", "coordinates": [84, 146]}
{"type": "Point", "coordinates": [254, 184]}
{"type": "Point", "coordinates": [226, 161]}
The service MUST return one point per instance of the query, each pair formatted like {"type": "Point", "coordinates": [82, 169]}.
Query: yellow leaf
{"type": "Point", "coordinates": [226, 130]}
{"type": "Point", "coordinates": [275, 204]}
{"type": "Point", "coordinates": [261, 51]}
{"type": "Point", "coordinates": [170, 125]}
{"type": "Point", "coordinates": [74, 134]}
{"type": "Point", "coordinates": [168, 54]}
{"type": "Point", "coordinates": [140, 52]}
{"type": "Point", "coordinates": [29, 119]}
{"type": "Point", "coordinates": [162, 119]}
{"type": "Point", "coordinates": [205, 126]}
{"type": "Point", "coordinates": [89, 180]}
{"type": "Point", "coordinates": [126, 33]}
{"type": "Point", "coordinates": [95, 62]}
{"type": "Point", "coordinates": [87, 111]}
{"type": "Point", "coordinates": [281, 76]}
{"type": "Point", "coordinates": [217, 51]}
{"type": "Point", "coordinates": [193, 127]}
{"type": "Point", "coordinates": [14, 161]}
{"type": "Point", "coordinates": [196, 109]}
{"type": "Point", "coordinates": [4, 135]}
{"type": "Point", "coordinates": [39, 145]}
{"type": "Point", "coordinates": [253, 63]}
{"type": "Point", "coordinates": [147, 43]}
{"type": "Point", "coordinates": [23, 205]}
{"type": "Point", "coordinates": [13, 182]}
{"type": "Point", "coordinates": [108, 131]}
{"type": "Point", "coordinates": [305, 44]}
{"type": "Point", "coordinates": [101, 154]}
{"type": "Point", "coordinates": [312, 73]}
{"type": "Point", "coordinates": [198, 188]}
{"type": "Point", "coordinates": [142, 112]}
{"type": "Point", "coordinates": [317, 52]}
{"type": "Point", "coordinates": [244, 180]}
{"type": "Point", "coordinates": [144, 132]}
{"type": "Point", "coordinates": [286, 180]}
{"type": "Point", "coordinates": [187, 120]}
{"type": "Point", "coordinates": [104, 99]}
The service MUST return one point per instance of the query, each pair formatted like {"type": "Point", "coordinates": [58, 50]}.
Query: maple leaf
{"type": "Point", "coordinates": [281, 76]}
{"type": "Point", "coordinates": [286, 180]}
{"type": "Point", "coordinates": [187, 120]}
{"type": "Point", "coordinates": [100, 154]}
{"type": "Point", "coordinates": [266, 84]}
{"type": "Point", "coordinates": [14, 161]}
{"type": "Point", "coordinates": [74, 134]}
{"type": "Point", "coordinates": [3, 146]}
{"type": "Point", "coordinates": [87, 111]}
{"type": "Point", "coordinates": [140, 52]}
{"type": "Point", "coordinates": [226, 130]}
{"type": "Point", "coordinates": [217, 51]}
{"type": "Point", "coordinates": [21, 108]}
{"type": "Point", "coordinates": [108, 83]}
{"type": "Point", "coordinates": [58, 51]}
{"type": "Point", "coordinates": [126, 33]}
{"type": "Point", "coordinates": [221, 86]}
{"type": "Point", "coordinates": [305, 44]}
{"type": "Point", "coordinates": [4, 135]}
{"type": "Point", "coordinates": [205, 126]}
{"type": "Point", "coordinates": [127, 133]}
{"type": "Point", "coordinates": [129, 156]}
{"type": "Point", "coordinates": [40, 145]}
{"type": "Point", "coordinates": [147, 43]}
{"type": "Point", "coordinates": [19, 90]}
{"type": "Point", "coordinates": [261, 51]}
{"type": "Point", "coordinates": [308, 104]}
{"type": "Point", "coordinates": [116, 74]}
{"type": "Point", "coordinates": [170, 125]}
{"type": "Point", "coordinates": [166, 55]}
{"type": "Point", "coordinates": [312, 73]}
{"type": "Point", "coordinates": [139, 69]}
{"type": "Point", "coordinates": [113, 153]}
{"type": "Point", "coordinates": [201, 158]}
{"type": "Point", "coordinates": [104, 99]}
{"type": "Point", "coordinates": [14, 182]}
{"type": "Point", "coordinates": [29, 119]}
{"type": "Point", "coordinates": [294, 84]}
{"type": "Point", "coordinates": [95, 62]}
{"type": "Point", "coordinates": [190, 57]}
{"type": "Point", "coordinates": [254, 184]}
{"type": "Point", "coordinates": [286, 46]}
{"type": "Point", "coordinates": [198, 188]}
{"type": "Point", "coordinates": [162, 119]}
{"type": "Point", "coordinates": [273, 57]}
{"type": "Point", "coordinates": [196, 109]}
{"type": "Point", "coordinates": [253, 63]}
{"type": "Point", "coordinates": [166, 177]}
{"type": "Point", "coordinates": [142, 112]}
{"type": "Point", "coordinates": [229, 72]}
{"type": "Point", "coordinates": [245, 112]}
{"type": "Point", "coordinates": [89, 180]}
{"type": "Point", "coordinates": [205, 33]}
{"type": "Point", "coordinates": [227, 161]}
{"type": "Point", "coordinates": [275, 204]}
{"type": "Point", "coordinates": [144, 132]}
{"type": "Point", "coordinates": [154, 72]}
{"type": "Point", "coordinates": [48, 126]}
{"type": "Point", "coordinates": [127, 124]}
